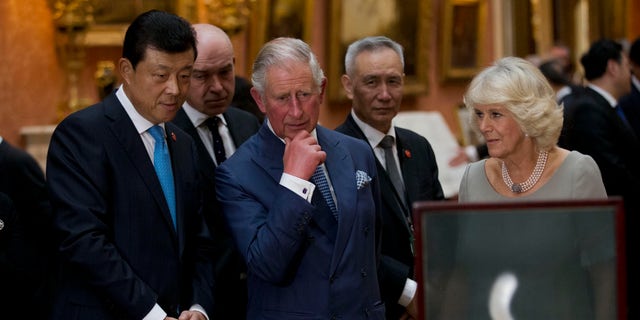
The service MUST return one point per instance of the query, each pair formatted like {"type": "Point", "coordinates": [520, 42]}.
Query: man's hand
{"type": "Point", "coordinates": [412, 310]}
{"type": "Point", "coordinates": [302, 155]}
{"type": "Point", "coordinates": [192, 315]}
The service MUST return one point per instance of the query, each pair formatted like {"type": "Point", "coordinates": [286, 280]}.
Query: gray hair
{"type": "Point", "coordinates": [281, 52]}
{"type": "Point", "coordinates": [370, 44]}
{"type": "Point", "coordinates": [519, 86]}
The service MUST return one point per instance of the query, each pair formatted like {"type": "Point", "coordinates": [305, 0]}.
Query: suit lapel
{"type": "Point", "coordinates": [387, 192]}
{"type": "Point", "coordinates": [408, 166]}
{"type": "Point", "coordinates": [270, 151]}
{"type": "Point", "coordinates": [207, 166]}
{"type": "Point", "coordinates": [342, 175]}
{"type": "Point", "coordinates": [180, 156]}
{"type": "Point", "coordinates": [125, 132]}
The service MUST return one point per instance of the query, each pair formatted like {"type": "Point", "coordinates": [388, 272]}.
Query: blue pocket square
{"type": "Point", "coordinates": [362, 179]}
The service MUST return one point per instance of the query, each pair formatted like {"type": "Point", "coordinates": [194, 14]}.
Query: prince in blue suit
{"type": "Point", "coordinates": [309, 254]}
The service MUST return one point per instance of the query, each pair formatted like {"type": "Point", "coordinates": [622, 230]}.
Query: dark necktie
{"type": "Point", "coordinates": [396, 180]}
{"type": "Point", "coordinates": [218, 147]}
{"type": "Point", "coordinates": [320, 180]}
{"type": "Point", "coordinates": [392, 167]}
{"type": "Point", "coordinates": [622, 116]}
{"type": "Point", "coordinates": [162, 164]}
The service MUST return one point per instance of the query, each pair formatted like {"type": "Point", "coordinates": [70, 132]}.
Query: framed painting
{"type": "Point", "coordinates": [111, 19]}
{"type": "Point", "coordinates": [513, 260]}
{"type": "Point", "coordinates": [278, 18]}
{"type": "Point", "coordinates": [462, 38]}
{"type": "Point", "coordinates": [404, 21]}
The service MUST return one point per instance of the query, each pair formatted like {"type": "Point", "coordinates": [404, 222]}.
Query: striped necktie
{"type": "Point", "coordinates": [320, 180]}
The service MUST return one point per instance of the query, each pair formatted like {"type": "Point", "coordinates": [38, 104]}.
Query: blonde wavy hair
{"type": "Point", "coordinates": [521, 88]}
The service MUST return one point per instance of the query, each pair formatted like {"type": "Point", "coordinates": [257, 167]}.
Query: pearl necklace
{"type": "Point", "coordinates": [533, 178]}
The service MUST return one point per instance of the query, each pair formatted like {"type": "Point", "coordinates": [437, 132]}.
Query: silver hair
{"type": "Point", "coordinates": [370, 44]}
{"type": "Point", "coordinates": [521, 88]}
{"type": "Point", "coordinates": [281, 52]}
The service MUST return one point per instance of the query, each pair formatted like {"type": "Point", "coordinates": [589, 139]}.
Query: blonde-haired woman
{"type": "Point", "coordinates": [514, 108]}
{"type": "Point", "coordinates": [564, 267]}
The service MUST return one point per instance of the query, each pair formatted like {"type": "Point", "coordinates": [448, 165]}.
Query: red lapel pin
{"type": "Point", "coordinates": [407, 153]}
{"type": "Point", "coordinates": [173, 136]}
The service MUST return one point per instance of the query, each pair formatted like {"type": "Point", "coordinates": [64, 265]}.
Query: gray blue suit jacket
{"type": "Point", "coordinates": [119, 249]}
{"type": "Point", "coordinates": [302, 263]}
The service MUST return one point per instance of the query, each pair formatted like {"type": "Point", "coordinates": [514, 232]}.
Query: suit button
{"type": "Point", "coordinates": [366, 230]}
{"type": "Point", "coordinates": [363, 272]}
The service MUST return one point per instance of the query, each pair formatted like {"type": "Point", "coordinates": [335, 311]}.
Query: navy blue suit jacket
{"type": "Point", "coordinates": [302, 263]}
{"type": "Point", "coordinates": [26, 252]}
{"type": "Point", "coordinates": [120, 251]}
{"type": "Point", "coordinates": [630, 105]}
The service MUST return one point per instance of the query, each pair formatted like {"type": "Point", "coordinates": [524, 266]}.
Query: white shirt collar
{"type": "Point", "coordinates": [197, 117]}
{"type": "Point", "coordinates": [636, 82]}
{"type": "Point", "coordinates": [373, 135]}
{"type": "Point", "coordinates": [141, 124]}
{"type": "Point", "coordinates": [612, 101]}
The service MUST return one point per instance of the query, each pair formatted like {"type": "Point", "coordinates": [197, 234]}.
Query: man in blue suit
{"type": "Point", "coordinates": [130, 246]}
{"type": "Point", "coordinates": [301, 200]}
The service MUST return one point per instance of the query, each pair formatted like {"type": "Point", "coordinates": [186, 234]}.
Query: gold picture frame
{"type": "Point", "coordinates": [404, 21]}
{"type": "Point", "coordinates": [278, 18]}
{"type": "Point", "coordinates": [464, 31]}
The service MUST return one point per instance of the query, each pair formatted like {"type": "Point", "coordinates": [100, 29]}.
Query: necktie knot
{"type": "Point", "coordinates": [156, 133]}
{"type": "Point", "coordinates": [387, 142]}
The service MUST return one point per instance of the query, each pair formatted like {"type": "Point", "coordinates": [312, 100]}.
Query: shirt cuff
{"type": "Point", "coordinates": [408, 292]}
{"type": "Point", "coordinates": [156, 313]}
{"type": "Point", "coordinates": [199, 308]}
{"type": "Point", "coordinates": [301, 187]}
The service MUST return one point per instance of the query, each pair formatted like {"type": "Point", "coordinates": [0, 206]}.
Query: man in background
{"type": "Point", "coordinates": [593, 126]}
{"type": "Point", "coordinates": [217, 131]}
{"type": "Point", "coordinates": [26, 253]}
{"type": "Point", "coordinates": [405, 161]}
{"type": "Point", "coordinates": [630, 103]}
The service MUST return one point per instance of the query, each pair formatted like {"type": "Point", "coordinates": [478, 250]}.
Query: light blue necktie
{"type": "Point", "coordinates": [162, 164]}
{"type": "Point", "coordinates": [322, 184]}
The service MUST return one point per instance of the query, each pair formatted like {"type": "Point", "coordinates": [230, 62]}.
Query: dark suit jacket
{"type": "Point", "coordinates": [230, 270]}
{"type": "Point", "coordinates": [420, 175]}
{"type": "Point", "coordinates": [26, 253]}
{"type": "Point", "coordinates": [120, 251]}
{"type": "Point", "coordinates": [630, 105]}
{"type": "Point", "coordinates": [302, 263]}
{"type": "Point", "coordinates": [594, 128]}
